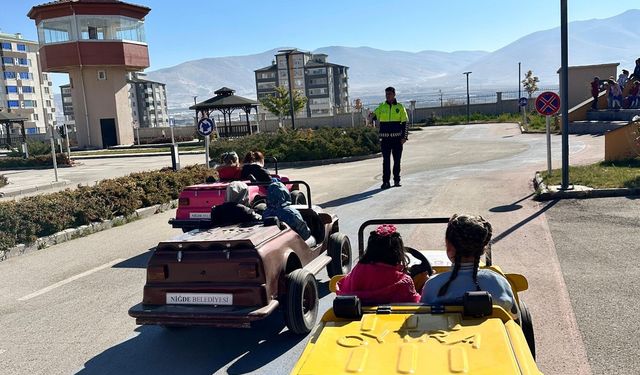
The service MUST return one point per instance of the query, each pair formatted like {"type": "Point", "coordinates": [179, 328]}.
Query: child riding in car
{"type": "Point", "coordinates": [279, 205]}
{"type": "Point", "coordinates": [234, 210]}
{"type": "Point", "coordinates": [466, 239]}
{"type": "Point", "coordinates": [253, 167]}
{"type": "Point", "coordinates": [230, 168]}
{"type": "Point", "coordinates": [380, 275]}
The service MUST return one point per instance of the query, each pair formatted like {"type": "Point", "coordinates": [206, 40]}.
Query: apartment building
{"type": "Point", "coordinates": [67, 106]}
{"type": "Point", "coordinates": [325, 84]}
{"type": "Point", "coordinates": [24, 88]}
{"type": "Point", "coordinates": [148, 101]}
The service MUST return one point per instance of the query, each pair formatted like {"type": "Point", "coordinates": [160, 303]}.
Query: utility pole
{"type": "Point", "coordinates": [287, 53]}
{"type": "Point", "coordinates": [564, 85]}
{"type": "Point", "coordinates": [468, 115]}
{"type": "Point", "coordinates": [519, 82]}
{"type": "Point", "coordinates": [441, 104]}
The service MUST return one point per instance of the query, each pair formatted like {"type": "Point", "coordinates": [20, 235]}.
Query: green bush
{"type": "Point", "coordinates": [36, 148]}
{"type": "Point", "coordinates": [303, 144]}
{"type": "Point", "coordinates": [25, 220]}
{"type": "Point", "coordinates": [35, 161]}
{"type": "Point", "coordinates": [3, 180]}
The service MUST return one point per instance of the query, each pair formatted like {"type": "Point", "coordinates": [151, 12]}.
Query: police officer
{"type": "Point", "coordinates": [393, 133]}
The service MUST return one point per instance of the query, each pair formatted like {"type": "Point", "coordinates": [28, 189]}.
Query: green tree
{"type": "Point", "coordinates": [530, 83]}
{"type": "Point", "coordinates": [278, 104]}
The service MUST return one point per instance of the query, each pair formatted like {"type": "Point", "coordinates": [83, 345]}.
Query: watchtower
{"type": "Point", "coordinates": [98, 43]}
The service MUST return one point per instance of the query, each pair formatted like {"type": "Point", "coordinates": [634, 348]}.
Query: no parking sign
{"type": "Point", "coordinates": [548, 103]}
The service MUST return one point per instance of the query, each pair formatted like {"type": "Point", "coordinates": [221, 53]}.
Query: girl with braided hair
{"type": "Point", "coordinates": [380, 275]}
{"type": "Point", "coordinates": [466, 239]}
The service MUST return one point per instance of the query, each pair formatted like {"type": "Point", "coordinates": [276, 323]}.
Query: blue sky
{"type": "Point", "coordinates": [211, 28]}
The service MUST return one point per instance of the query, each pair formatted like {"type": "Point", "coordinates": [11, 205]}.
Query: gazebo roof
{"type": "Point", "coordinates": [225, 99]}
{"type": "Point", "coordinates": [6, 117]}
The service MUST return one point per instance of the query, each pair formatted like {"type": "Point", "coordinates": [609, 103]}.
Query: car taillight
{"type": "Point", "coordinates": [248, 270]}
{"type": "Point", "coordinates": [157, 273]}
{"type": "Point", "coordinates": [183, 201]}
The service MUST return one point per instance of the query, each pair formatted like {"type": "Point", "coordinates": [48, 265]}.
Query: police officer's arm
{"type": "Point", "coordinates": [403, 122]}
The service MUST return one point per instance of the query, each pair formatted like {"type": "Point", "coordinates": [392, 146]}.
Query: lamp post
{"type": "Point", "coordinates": [519, 83]}
{"type": "Point", "coordinates": [287, 52]}
{"type": "Point", "coordinates": [195, 118]}
{"type": "Point", "coordinates": [467, 74]}
{"type": "Point", "coordinates": [564, 94]}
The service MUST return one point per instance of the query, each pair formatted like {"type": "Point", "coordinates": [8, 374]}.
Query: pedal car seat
{"type": "Point", "coordinates": [314, 222]}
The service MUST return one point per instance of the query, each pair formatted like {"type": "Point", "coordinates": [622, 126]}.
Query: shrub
{"type": "Point", "coordinates": [304, 144]}
{"type": "Point", "coordinates": [35, 161]}
{"type": "Point", "coordinates": [3, 180]}
{"type": "Point", "coordinates": [25, 220]}
{"type": "Point", "coordinates": [36, 148]}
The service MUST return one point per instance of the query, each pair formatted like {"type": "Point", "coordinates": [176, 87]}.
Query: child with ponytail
{"type": "Point", "coordinates": [466, 240]}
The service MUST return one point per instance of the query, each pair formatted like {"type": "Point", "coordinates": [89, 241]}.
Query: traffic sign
{"type": "Point", "coordinates": [522, 102]}
{"type": "Point", "coordinates": [548, 103]}
{"type": "Point", "coordinates": [205, 126]}
{"type": "Point", "coordinates": [172, 121]}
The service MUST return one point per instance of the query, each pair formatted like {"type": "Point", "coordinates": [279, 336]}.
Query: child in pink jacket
{"type": "Point", "coordinates": [380, 277]}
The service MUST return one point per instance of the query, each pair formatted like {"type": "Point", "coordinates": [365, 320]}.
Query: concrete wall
{"type": "Point", "coordinates": [580, 78]}
{"type": "Point", "coordinates": [105, 99]}
{"type": "Point", "coordinates": [497, 108]}
{"type": "Point", "coordinates": [621, 143]}
{"type": "Point", "coordinates": [154, 133]}
{"type": "Point", "coordinates": [342, 120]}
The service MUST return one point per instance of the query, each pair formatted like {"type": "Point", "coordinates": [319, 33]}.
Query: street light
{"type": "Point", "coordinates": [519, 83]}
{"type": "Point", "coordinates": [287, 52]}
{"type": "Point", "coordinates": [564, 85]}
{"type": "Point", "coordinates": [467, 74]}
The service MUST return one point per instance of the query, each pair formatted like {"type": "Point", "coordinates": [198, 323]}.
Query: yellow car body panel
{"type": "Point", "coordinates": [413, 340]}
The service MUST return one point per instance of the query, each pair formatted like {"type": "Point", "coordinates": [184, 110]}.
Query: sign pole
{"type": "Point", "coordinates": [548, 145]}
{"type": "Point", "coordinates": [53, 155]}
{"type": "Point", "coordinates": [564, 85]}
{"type": "Point", "coordinates": [206, 151]}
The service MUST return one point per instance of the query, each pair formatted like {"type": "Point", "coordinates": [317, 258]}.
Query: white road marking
{"type": "Point", "coordinates": [70, 279]}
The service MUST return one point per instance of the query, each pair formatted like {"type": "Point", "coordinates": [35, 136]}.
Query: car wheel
{"type": "Point", "coordinates": [301, 301]}
{"type": "Point", "coordinates": [339, 249]}
{"type": "Point", "coordinates": [527, 327]}
{"type": "Point", "coordinates": [297, 197]}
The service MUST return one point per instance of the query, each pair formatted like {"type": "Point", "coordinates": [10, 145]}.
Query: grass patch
{"type": "Point", "coordinates": [615, 174]}
{"type": "Point", "coordinates": [536, 122]}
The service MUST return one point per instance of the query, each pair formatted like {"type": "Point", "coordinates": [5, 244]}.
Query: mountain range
{"type": "Point", "coordinates": [615, 39]}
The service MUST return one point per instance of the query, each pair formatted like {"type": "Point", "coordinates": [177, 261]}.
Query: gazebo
{"type": "Point", "coordinates": [226, 102]}
{"type": "Point", "coordinates": [7, 119]}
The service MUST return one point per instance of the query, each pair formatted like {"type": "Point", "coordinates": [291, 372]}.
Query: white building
{"type": "Point", "coordinates": [24, 88]}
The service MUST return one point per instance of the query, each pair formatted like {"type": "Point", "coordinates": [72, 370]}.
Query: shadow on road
{"type": "Point", "coordinates": [351, 198]}
{"type": "Point", "coordinates": [199, 350]}
{"type": "Point", "coordinates": [138, 261]}
{"type": "Point", "coordinates": [525, 221]}
{"type": "Point", "coordinates": [510, 207]}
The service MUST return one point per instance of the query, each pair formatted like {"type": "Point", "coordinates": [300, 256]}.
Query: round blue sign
{"type": "Point", "coordinates": [523, 101]}
{"type": "Point", "coordinates": [205, 126]}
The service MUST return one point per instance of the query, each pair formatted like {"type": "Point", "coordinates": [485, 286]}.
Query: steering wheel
{"type": "Point", "coordinates": [423, 266]}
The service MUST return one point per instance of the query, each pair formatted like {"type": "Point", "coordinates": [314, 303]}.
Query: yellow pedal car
{"type": "Point", "coordinates": [474, 337]}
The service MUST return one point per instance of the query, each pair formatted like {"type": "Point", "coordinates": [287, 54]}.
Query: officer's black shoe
{"type": "Point", "coordinates": [396, 184]}
{"type": "Point", "coordinates": [385, 185]}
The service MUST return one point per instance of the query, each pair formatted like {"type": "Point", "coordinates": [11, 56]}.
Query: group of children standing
{"type": "Point", "coordinates": [380, 275]}
{"type": "Point", "coordinates": [615, 89]}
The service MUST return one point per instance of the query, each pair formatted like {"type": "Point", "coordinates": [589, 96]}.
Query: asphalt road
{"type": "Point", "coordinates": [64, 309]}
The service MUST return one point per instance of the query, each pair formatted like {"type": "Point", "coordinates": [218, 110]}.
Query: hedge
{"type": "Point", "coordinates": [304, 144]}
{"type": "Point", "coordinates": [34, 161]}
{"type": "Point", "coordinates": [25, 220]}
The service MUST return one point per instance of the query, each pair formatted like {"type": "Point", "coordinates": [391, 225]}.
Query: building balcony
{"type": "Point", "coordinates": [63, 56]}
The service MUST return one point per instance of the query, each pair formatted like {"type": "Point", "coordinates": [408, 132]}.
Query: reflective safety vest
{"type": "Point", "coordinates": [393, 121]}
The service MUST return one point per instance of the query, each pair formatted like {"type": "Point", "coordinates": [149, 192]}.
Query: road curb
{"type": "Point", "coordinates": [15, 193]}
{"type": "Point", "coordinates": [84, 230]}
{"type": "Point", "coordinates": [543, 193]}
{"type": "Point", "coordinates": [134, 155]}
{"type": "Point", "coordinates": [315, 163]}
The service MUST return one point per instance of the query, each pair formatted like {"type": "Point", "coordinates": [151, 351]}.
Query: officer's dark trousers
{"type": "Point", "coordinates": [391, 147]}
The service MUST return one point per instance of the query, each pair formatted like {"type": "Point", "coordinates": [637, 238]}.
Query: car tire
{"type": "Point", "coordinates": [301, 301]}
{"type": "Point", "coordinates": [527, 327]}
{"type": "Point", "coordinates": [297, 197]}
{"type": "Point", "coordinates": [339, 249]}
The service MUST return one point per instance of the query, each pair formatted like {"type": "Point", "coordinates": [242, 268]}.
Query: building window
{"type": "Point", "coordinates": [49, 116]}
{"type": "Point", "coordinates": [28, 103]}
{"type": "Point", "coordinates": [13, 103]}
{"type": "Point", "coordinates": [102, 75]}
{"type": "Point", "coordinates": [7, 60]}
{"type": "Point", "coordinates": [46, 90]}
{"type": "Point", "coordinates": [35, 117]}
{"type": "Point", "coordinates": [319, 91]}
{"type": "Point", "coordinates": [26, 75]}
{"type": "Point", "coordinates": [318, 81]}
{"type": "Point", "coordinates": [12, 89]}
{"type": "Point", "coordinates": [21, 47]}
{"type": "Point", "coordinates": [6, 46]}
{"type": "Point", "coordinates": [27, 90]}
{"type": "Point", "coordinates": [317, 71]}
{"type": "Point", "coordinates": [48, 103]}
{"type": "Point", "coordinates": [267, 75]}
{"type": "Point", "coordinates": [266, 85]}
{"type": "Point", "coordinates": [10, 75]}
{"type": "Point", "coordinates": [22, 61]}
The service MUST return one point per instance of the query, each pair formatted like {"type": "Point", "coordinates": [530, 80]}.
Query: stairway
{"type": "Point", "coordinates": [602, 121]}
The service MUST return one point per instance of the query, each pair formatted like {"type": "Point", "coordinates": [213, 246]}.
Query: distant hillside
{"type": "Point", "coordinates": [615, 39]}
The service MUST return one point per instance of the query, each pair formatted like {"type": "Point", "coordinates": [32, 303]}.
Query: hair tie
{"type": "Point", "coordinates": [385, 230]}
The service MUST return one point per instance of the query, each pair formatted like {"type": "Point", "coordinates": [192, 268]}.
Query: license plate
{"type": "Point", "coordinates": [199, 299]}
{"type": "Point", "coordinates": [200, 215]}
